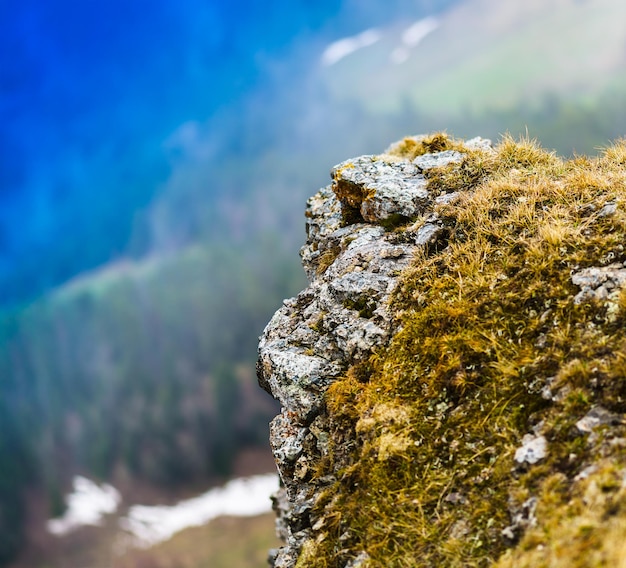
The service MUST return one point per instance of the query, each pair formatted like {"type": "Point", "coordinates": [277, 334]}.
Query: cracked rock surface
{"type": "Point", "coordinates": [353, 265]}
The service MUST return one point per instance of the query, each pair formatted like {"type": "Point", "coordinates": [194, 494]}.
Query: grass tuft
{"type": "Point", "coordinates": [411, 147]}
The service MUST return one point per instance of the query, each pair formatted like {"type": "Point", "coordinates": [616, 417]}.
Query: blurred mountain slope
{"type": "Point", "coordinates": [483, 55]}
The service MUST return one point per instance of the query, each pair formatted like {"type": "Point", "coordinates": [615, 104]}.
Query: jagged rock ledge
{"type": "Point", "coordinates": [453, 379]}
{"type": "Point", "coordinates": [353, 263]}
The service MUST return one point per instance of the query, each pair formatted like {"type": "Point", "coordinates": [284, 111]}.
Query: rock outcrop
{"type": "Point", "coordinates": [430, 299]}
{"type": "Point", "coordinates": [342, 316]}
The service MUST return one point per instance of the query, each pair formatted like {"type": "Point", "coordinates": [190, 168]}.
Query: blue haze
{"type": "Point", "coordinates": [88, 92]}
{"type": "Point", "coordinates": [91, 90]}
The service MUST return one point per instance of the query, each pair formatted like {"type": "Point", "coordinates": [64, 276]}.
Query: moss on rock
{"type": "Point", "coordinates": [491, 347]}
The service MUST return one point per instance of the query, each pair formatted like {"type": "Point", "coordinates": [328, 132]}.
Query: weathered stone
{"type": "Point", "coordinates": [599, 282]}
{"type": "Point", "coordinates": [427, 233]}
{"type": "Point", "coordinates": [597, 416]}
{"type": "Point", "coordinates": [380, 188]}
{"type": "Point", "coordinates": [358, 562]}
{"type": "Point", "coordinates": [280, 505]}
{"type": "Point", "coordinates": [427, 162]}
{"type": "Point", "coordinates": [362, 232]}
{"type": "Point", "coordinates": [533, 449]}
{"type": "Point", "coordinates": [608, 210]}
{"type": "Point", "coordinates": [478, 143]}
{"type": "Point", "coordinates": [522, 518]}
{"type": "Point", "coordinates": [447, 198]}
{"type": "Point", "coordinates": [290, 448]}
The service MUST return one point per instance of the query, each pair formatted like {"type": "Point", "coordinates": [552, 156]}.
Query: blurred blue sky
{"type": "Point", "coordinates": [89, 90]}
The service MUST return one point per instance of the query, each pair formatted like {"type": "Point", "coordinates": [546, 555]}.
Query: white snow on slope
{"type": "Point", "coordinates": [412, 37]}
{"type": "Point", "coordinates": [147, 526]}
{"type": "Point", "coordinates": [86, 505]}
{"type": "Point", "coordinates": [245, 497]}
{"type": "Point", "coordinates": [340, 49]}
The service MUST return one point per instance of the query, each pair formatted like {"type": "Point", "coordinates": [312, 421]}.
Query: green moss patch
{"type": "Point", "coordinates": [491, 347]}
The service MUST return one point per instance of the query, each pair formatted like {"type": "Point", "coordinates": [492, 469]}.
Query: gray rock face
{"type": "Point", "coordinates": [380, 188]}
{"type": "Point", "coordinates": [429, 161]}
{"type": "Point", "coordinates": [353, 265]}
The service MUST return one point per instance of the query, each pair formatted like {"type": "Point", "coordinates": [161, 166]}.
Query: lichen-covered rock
{"type": "Point", "coordinates": [343, 315]}
{"type": "Point", "coordinates": [532, 450]}
{"type": "Point", "coordinates": [452, 380]}
{"type": "Point", "coordinates": [427, 162]}
{"type": "Point", "coordinates": [377, 188]}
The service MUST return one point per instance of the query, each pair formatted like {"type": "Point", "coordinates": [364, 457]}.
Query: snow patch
{"type": "Point", "coordinates": [86, 505]}
{"type": "Point", "coordinates": [337, 50]}
{"type": "Point", "coordinates": [244, 497]}
{"type": "Point", "coordinates": [412, 37]}
{"type": "Point", "coordinates": [414, 34]}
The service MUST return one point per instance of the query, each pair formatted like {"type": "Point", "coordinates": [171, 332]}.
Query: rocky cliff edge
{"type": "Point", "coordinates": [453, 379]}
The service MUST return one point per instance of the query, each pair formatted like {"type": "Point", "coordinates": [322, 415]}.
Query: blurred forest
{"type": "Point", "coordinates": [128, 331]}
